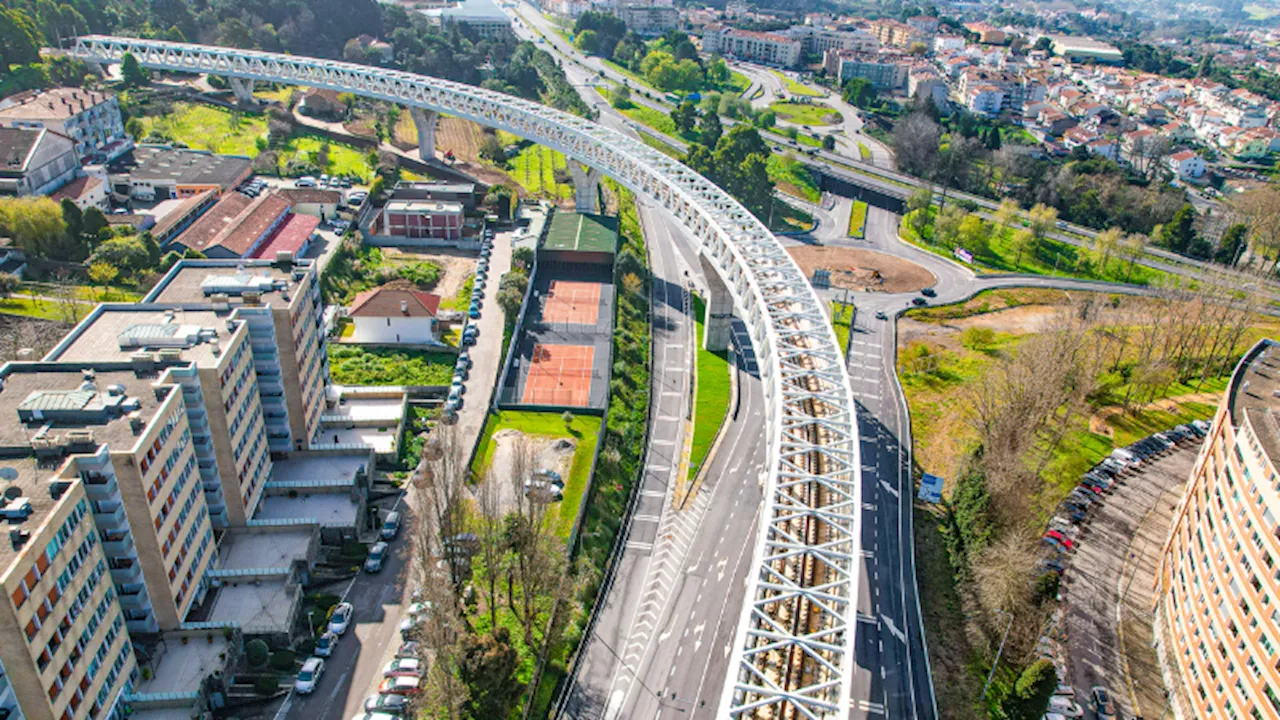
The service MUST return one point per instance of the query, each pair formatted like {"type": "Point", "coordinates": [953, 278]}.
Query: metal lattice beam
{"type": "Point", "coordinates": [795, 639]}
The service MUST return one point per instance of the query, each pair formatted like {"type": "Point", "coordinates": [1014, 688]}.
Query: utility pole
{"type": "Point", "coordinates": [999, 652]}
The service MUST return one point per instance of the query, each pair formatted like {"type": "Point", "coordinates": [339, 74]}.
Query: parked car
{"type": "Point", "coordinates": [409, 649]}
{"type": "Point", "coordinates": [473, 312]}
{"type": "Point", "coordinates": [929, 292]}
{"type": "Point", "coordinates": [377, 556]}
{"type": "Point", "coordinates": [402, 685]}
{"type": "Point", "coordinates": [341, 618]}
{"type": "Point", "coordinates": [390, 526]}
{"type": "Point", "coordinates": [325, 644]}
{"type": "Point", "coordinates": [411, 616]}
{"type": "Point", "coordinates": [1065, 690]}
{"type": "Point", "coordinates": [308, 676]}
{"type": "Point", "coordinates": [389, 704]}
{"type": "Point", "coordinates": [1101, 704]}
{"type": "Point", "coordinates": [549, 474]}
{"type": "Point", "coordinates": [377, 715]}
{"type": "Point", "coordinates": [919, 301]}
{"type": "Point", "coordinates": [403, 667]}
{"type": "Point", "coordinates": [1201, 425]}
{"type": "Point", "coordinates": [306, 181]}
{"type": "Point", "coordinates": [543, 490]}
{"type": "Point", "coordinates": [1062, 539]}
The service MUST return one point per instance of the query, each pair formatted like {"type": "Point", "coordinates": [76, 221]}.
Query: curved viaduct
{"type": "Point", "coordinates": [794, 647]}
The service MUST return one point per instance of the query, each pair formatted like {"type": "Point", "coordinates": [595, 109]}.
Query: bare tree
{"type": "Point", "coordinates": [493, 545]}
{"type": "Point", "coordinates": [539, 560]}
{"type": "Point", "coordinates": [1261, 209]}
{"type": "Point", "coordinates": [443, 477]}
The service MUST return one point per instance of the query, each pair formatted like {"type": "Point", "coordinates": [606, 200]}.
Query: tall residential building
{"type": "Point", "coordinates": [1217, 628]}
{"type": "Point", "coordinates": [280, 303]}
{"type": "Point", "coordinates": [761, 47]}
{"type": "Point", "coordinates": [818, 40]}
{"type": "Point", "coordinates": [647, 17]}
{"type": "Point", "coordinates": [124, 432]}
{"type": "Point", "coordinates": [90, 118]}
{"type": "Point", "coordinates": [208, 354]}
{"type": "Point", "coordinates": [64, 650]}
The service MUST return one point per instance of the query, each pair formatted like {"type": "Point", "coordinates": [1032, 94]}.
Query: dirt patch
{"type": "Point", "coordinates": [1100, 421]}
{"type": "Point", "coordinates": [549, 453]}
{"type": "Point", "coordinates": [455, 265]}
{"type": "Point", "coordinates": [864, 270]}
{"type": "Point", "coordinates": [19, 333]}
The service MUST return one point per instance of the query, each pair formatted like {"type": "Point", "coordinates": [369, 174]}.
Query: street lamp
{"type": "Point", "coordinates": [311, 624]}
{"type": "Point", "coordinates": [996, 664]}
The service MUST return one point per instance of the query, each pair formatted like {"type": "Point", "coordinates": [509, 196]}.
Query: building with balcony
{"type": "Point", "coordinates": [280, 302]}
{"type": "Point", "coordinates": [761, 47]}
{"type": "Point", "coordinates": [64, 650]}
{"type": "Point", "coordinates": [90, 118]}
{"type": "Point", "coordinates": [122, 424]}
{"type": "Point", "coordinates": [1217, 628]}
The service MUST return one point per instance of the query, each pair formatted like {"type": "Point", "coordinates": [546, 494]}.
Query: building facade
{"type": "Point", "coordinates": [415, 219]}
{"type": "Point", "coordinates": [1217, 630]}
{"type": "Point", "coordinates": [90, 118]}
{"type": "Point", "coordinates": [761, 47]}
{"type": "Point", "coordinates": [35, 162]}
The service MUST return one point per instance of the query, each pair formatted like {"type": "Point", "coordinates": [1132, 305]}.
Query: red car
{"type": "Point", "coordinates": [1063, 539]}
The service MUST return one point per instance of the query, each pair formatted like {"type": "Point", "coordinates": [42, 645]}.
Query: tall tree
{"type": "Point", "coordinates": [1232, 245]}
{"type": "Point", "coordinates": [685, 117]}
{"type": "Point", "coordinates": [19, 39]}
{"type": "Point", "coordinates": [133, 73]}
{"type": "Point", "coordinates": [1179, 233]}
{"type": "Point", "coordinates": [710, 129]}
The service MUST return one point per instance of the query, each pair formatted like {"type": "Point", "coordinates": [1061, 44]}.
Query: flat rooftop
{"type": "Point", "coordinates": [252, 548]}
{"type": "Point", "coordinates": [320, 468]}
{"type": "Point", "coordinates": [1255, 392]}
{"type": "Point", "coordinates": [382, 440]}
{"type": "Point", "coordinates": [32, 482]}
{"type": "Point", "coordinates": [181, 668]}
{"type": "Point", "coordinates": [144, 327]}
{"type": "Point", "coordinates": [366, 410]}
{"type": "Point", "coordinates": [160, 163]}
{"type": "Point", "coordinates": [328, 509]}
{"type": "Point", "coordinates": [258, 606]}
{"type": "Point", "coordinates": [186, 283]}
{"type": "Point", "coordinates": [63, 399]}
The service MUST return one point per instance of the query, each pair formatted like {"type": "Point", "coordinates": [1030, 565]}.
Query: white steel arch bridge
{"type": "Point", "coordinates": [794, 647]}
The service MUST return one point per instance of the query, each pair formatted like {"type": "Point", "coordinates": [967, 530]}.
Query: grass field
{"type": "Point", "coordinates": [711, 395]}
{"type": "Point", "coordinates": [858, 220]}
{"type": "Point", "coordinates": [792, 177]}
{"type": "Point", "coordinates": [796, 88]}
{"type": "Point", "coordinates": [655, 119]}
{"type": "Point", "coordinates": [864, 152]}
{"type": "Point", "coordinates": [806, 114]}
{"type": "Point", "coordinates": [205, 127]}
{"type": "Point", "coordinates": [659, 145]}
{"type": "Point", "coordinates": [788, 218]}
{"type": "Point", "coordinates": [389, 366]}
{"type": "Point", "coordinates": [842, 320]}
{"type": "Point", "coordinates": [584, 430]}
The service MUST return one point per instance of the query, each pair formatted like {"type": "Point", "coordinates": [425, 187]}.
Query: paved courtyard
{"type": "Point", "coordinates": [1108, 587]}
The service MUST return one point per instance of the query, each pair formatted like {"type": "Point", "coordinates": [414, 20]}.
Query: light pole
{"type": "Point", "coordinates": [311, 624]}
{"type": "Point", "coordinates": [996, 664]}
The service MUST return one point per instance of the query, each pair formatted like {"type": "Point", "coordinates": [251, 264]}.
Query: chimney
{"type": "Point", "coordinates": [404, 307]}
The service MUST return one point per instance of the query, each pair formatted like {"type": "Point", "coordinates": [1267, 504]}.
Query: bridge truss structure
{"type": "Point", "coordinates": [794, 645]}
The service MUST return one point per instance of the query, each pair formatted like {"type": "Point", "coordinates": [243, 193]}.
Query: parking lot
{"type": "Point", "coordinates": [1107, 588]}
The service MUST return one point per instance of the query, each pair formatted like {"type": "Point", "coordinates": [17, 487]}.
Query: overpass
{"type": "Point", "coordinates": [794, 648]}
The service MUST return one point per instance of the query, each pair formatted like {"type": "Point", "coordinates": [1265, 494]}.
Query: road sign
{"type": "Point", "coordinates": [931, 488]}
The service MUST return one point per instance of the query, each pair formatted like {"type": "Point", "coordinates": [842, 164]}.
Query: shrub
{"type": "Point", "coordinates": [283, 660]}
{"type": "Point", "coordinates": [256, 652]}
{"type": "Point", "coordinates": [976, 338]}
{"type": "Point", "coordinates": [266, 684]}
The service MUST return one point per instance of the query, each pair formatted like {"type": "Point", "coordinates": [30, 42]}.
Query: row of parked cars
{"type": "Point", "coordinates": [344, 612]}
{"type": "Point", "coordinates": [1063, 705]}
{"type": "Point", "coordinates": [462, 369]}
{"type": "Point", "coordinates": [1103, 477]}
{"type": "Point", "coordinates": [335, 182]}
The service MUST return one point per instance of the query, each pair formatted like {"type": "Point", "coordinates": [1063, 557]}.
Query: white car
{"type": "Point", "coordinates": [403, 667]}
{"type": "Point", "coordinates": [340, 620]}
{"type": "Point", "coordinates": [411, 615]}
{"type": "Point", "coordinates": [376, 715]}
{"type": "Point", "coordinates": [1065, 707]}
{"type": "Point", "coordinates": [308, 676]}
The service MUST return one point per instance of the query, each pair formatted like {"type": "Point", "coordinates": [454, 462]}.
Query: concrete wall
{"type": "Point", "coordinates": [289, 377]}
{"type": "Point", "coordinates": [395, 330]}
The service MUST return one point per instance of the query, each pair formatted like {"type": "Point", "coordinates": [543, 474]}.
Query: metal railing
{"type": "Point", "coordinates": [794, 649]}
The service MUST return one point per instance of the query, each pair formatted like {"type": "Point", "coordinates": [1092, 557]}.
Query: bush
{"type": "Point", "coordinates": [266, 684]}
{"type": "Point", "coordinates": [283, 660]}
{"type": "Point", "coordinates": [256, 652]}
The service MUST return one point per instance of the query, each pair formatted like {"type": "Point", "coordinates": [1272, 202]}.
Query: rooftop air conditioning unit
{"type": "Point", "coordinates": [17, 509]}
{"type": "Point", "coordinates": [252, 298]}
{"type": "Point", "coordinates": [136, 423]}
{"type": "Point", "coordinates": [79, 437]}
{"type": "Point", "coordinates": [115, 390]}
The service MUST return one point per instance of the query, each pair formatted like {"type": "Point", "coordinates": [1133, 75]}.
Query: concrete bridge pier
{"type": "Point", "coordinates": [717, 326]}
{"type": "Point", "coordinates": [586, 187]}
{"type": "Point", "coordinates": [425, 122]}
{"type": "Point", "coordinates": [242, 89]}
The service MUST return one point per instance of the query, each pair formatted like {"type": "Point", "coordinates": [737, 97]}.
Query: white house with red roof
{"type": "Point", "coordinates": [1186, 164]}
{"type": "Point", "coordinates": [394, 315]}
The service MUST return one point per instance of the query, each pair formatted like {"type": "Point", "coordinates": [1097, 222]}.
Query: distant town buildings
{"type": "Point", "coordinates": [766, 48]}
{"type": "Point", "coordinates": [647, 17]}
{"type": "Point", "coordinates": [884, 70]}
{"type": "Point", "coordinates": [483, 17]}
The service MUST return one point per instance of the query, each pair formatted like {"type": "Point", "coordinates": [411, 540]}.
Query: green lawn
{"type": "Point", "coordinates": [842, 320]}
{"type": "Point", "coordinates": [43, 309]}
{"type": "Point", "coordinates": [788, 218]}
{"type": "Point", "coordinates": [864, 152]}
{"type": "Point", "coordinates": [1259, 13]}
{"type": "Point", "coordinates": [352, 365]}
{"type": "Point", "coordinates": [462, 299]}
{"type": "Point", "coordinates": [660, 146]}
{"type": "Point", "coordinates": [584, 430]}
{"type": "Point", "coordinates": [91, 293]}
{"type": "Point", "coordinates": [738, 82]}
{"type": "Point", "coordinates": [1051, 257]}
{"type": "Point", "coordinates": [808, 140]}
{"type": "Point", "coordinates": [858, 220]}
{"type": "Point", "coordinates": [655, 119]}
{"type": "Point", "coordinates": [711, 396]}
{"type": "Point", "coordinates": [343, 159]}
{"type": "Point", "coordinates": [792, 177]}
{"type": "Point", "coordinates": [796, 88]}
{"type": "Point", "coordinates": [205, 127]}
{"type": "Point", "coordinates": [806, 114]}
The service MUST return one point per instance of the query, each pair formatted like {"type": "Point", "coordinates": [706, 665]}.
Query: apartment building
{"type": "Point", "coordinates": [64, 650]}
{"type": "Point", "coordinates": [980, 85]}
{"type": "Point", "coordinates": [90, 118]}
{"type": "Point", "coordinates": [125, 433]}
{"type": "Point", "coordinates": [207, 354]}
{"type": "Point", "coordinates": [761, 47]}
{"type": "Point", "coordinates": [280, 302]}
{"type": "Point", "coordinates": [818, 40]}
{"type": "Point", "coordinates": [1217, 629]}
{"type": "Point", "coordinates": [885, 70]}
{"type": "Point", "coordinates": [892, 33]}
{"type": "Point", "coordinates": [647, 17]}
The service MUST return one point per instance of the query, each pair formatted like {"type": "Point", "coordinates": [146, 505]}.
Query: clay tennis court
{"type": "Point", "coordinates": [572, 302]}
{"type": "Point", "coordinates": [559, 375]}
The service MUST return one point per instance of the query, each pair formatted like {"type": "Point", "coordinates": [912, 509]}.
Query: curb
{"type": "Point", "coordinates": [696, 484]}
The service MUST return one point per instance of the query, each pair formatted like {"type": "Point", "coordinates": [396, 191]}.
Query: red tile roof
{"type": "Point", "coordinates": [386, 302]}
{"type": "Point", "coordinates": [203, 231]}
{"type": "Point", "coordinates": [239, 235]}
{"type": "Point", "coordinates": [291, 237]}
{"type": "Point", "coordinates": [76, 188]}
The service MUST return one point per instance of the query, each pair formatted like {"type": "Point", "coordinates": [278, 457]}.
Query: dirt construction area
{"type": "Point", "coordinates": [862, 270]}
{"type": "Point", "coordinates": [455, 265]}
{"type": "Point", "coordinates": [547, 453]}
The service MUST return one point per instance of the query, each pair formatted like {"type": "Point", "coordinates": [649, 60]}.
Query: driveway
{"type": "Point", "coordinates": [1110, 579]}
